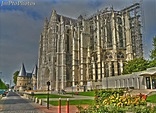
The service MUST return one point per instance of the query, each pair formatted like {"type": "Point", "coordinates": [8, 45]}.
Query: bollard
{"type": "Point", "coordinates": [59, 105]}
{"type": "Point", "coordinates": [36, 100]}
{"type": "Point", "coordinates": [40, 101]}
{"type": "Point", "coordinates": [67, 106]}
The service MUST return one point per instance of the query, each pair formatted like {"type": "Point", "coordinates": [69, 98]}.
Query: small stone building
{"type": "Point", "coordinates": [26, 81]}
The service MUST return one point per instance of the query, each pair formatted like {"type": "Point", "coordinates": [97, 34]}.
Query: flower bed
{"type": "Point", "coordinates": [124, 100]}
{"type": "Point", "coordinates": [116, 101]}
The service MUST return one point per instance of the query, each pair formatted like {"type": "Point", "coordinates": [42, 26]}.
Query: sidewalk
{"type": "Point", "coordinates": [54, 109]}
{"type": "Point", "coordinates": [1, 107]}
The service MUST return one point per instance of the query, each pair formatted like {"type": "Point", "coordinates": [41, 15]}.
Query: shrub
{"type": "Point", "coordinates": [100, 95]}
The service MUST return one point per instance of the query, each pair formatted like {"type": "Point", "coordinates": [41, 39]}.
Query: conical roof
{"type": "Point", "coordinates": [34, 70]}
{"type": "Point", "coordinates": [22, 71]}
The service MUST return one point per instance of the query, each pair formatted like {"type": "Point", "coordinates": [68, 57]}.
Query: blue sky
{"type": "Point", "coordinates": [20, 27]}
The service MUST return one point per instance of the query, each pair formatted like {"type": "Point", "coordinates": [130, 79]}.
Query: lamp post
{"type": "Point", "coordinates": [107, 72]}
{"type": "Point", "coordinates": [48, 84]}
{"type": "Point", "coordinates": [107, 79]}
{"type": "Point", "coordinates": [72, 91]}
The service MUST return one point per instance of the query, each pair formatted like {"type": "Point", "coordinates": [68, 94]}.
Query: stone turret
{"type": "Point", "coordinates": [22, 78]}
{"type": "Point", "coordinates": [34, 77]}
{"type": "Point", "coordinates": [26, 81]}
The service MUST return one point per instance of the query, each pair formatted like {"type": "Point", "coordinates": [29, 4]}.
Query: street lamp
{"type": "Point", "coordinates": [72, 90]}
{"type": "Point", "coordinates": [48, 84]}
{"type": "Point", "coordinates": [107, 79]}
{"type": "Point", "coordinates": [107, 72]}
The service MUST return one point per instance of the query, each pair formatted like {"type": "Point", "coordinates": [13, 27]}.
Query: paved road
{"type": "Point", "coordinates": [13, 103]}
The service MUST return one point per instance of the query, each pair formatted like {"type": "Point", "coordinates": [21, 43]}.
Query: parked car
{"type": "Point", "coordinates": [3, 92]}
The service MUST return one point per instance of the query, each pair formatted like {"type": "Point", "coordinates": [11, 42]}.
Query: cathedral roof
{"type": "Point", "coordinates": [58, 17]}
{"type": "Point", "coordinates": [66, 19]}
{"type": "Point", "coordinates": [22, 71]}
{"type": "Point", "coordinates": [34, 70]}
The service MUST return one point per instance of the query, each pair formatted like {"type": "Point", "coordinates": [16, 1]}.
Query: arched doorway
{"type": "Point", "coordinates": [46, 77]}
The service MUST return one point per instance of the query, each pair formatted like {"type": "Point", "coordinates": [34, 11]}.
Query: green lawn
{"type": "Point", "coordinates": [51, 96]}
{"type": "Point", "coordinates": [151, 98]}
{"type": "Point", "coordinates": [89, 93]}
{"type": "Point", "coordinates": [73, 102]}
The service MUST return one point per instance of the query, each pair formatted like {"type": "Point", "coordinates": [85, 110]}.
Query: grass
{"type": "Point", "coordinates": [51, 96]}
{"type": "Point", "coordinates": [151, 98]}
{"type": "Point", "coordinates": [73, 102]}
{"type": "Point", "coordinates": [89, 93]}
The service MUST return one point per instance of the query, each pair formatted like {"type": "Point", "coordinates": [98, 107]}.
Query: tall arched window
{"type": "Point", "coordinates": [106, 70]}
{"type": "Point", "coordinates": [68, 31]}
{"type": "Point", "coordinates": [119, 69]}
{"type": "Point", "coordinates": [120, 32]}
{"type": "Point", "coordinates": [109, 33]}
{"type": "Point", "coordinates": [112, 65]}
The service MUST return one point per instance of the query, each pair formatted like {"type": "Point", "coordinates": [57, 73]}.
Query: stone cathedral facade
{"type": "Point", "coordinates": [76, 51]}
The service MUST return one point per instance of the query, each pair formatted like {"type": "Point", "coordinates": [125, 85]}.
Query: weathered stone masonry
{"type": "Point", "coordinates": [76, 51]}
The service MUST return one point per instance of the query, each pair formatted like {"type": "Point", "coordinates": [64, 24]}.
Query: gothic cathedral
{"type": "Point", "coordinates": [76, 51]}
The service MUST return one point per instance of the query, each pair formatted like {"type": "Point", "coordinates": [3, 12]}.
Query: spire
{"type": "Point", "coordinates": [34, 70]}
{"type": "Point", "coordinates": [53, 17]}
{"type": "Point", "coordinates": [22, 71]}
{"type": "Point", "coordinates": [45, 26]}
{"type": "Point", "coordinates": [80, 17]}
{"type": "Point", "coordinates": [53, 12]}
{"type": "Point", "coordinates": [46, 22]}
{"type": "Point", "coordinates": [61, 19]}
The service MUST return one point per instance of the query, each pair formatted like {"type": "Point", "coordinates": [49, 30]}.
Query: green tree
{"type": "Point", "coordinates": [153, 52]}
{"type": "Point", "coordinates": [152, 63]}
{"type": "Point", "coordinates": [15, 77]}
{"type": "Point", "coordinates": [135, 65]}
{"type": "Point", "coordinates": [2, 85]}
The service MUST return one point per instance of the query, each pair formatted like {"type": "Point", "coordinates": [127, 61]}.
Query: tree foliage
{"type": "Point", "coordinates": [152, 63]}
{"type": "Point", "coordinates": [135, 65]}
{"type": "Point", "coordinates": [153, 52]}
{"type": "Point", "coordinates": [2, 85]}
{"type": "Point", "coordinates": [140, 64]}
{"type": "Point", "coordinates": [15, 75]}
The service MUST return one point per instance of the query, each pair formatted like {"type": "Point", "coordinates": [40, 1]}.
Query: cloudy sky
{"type": "Point", "coordinates": [20, 27]}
